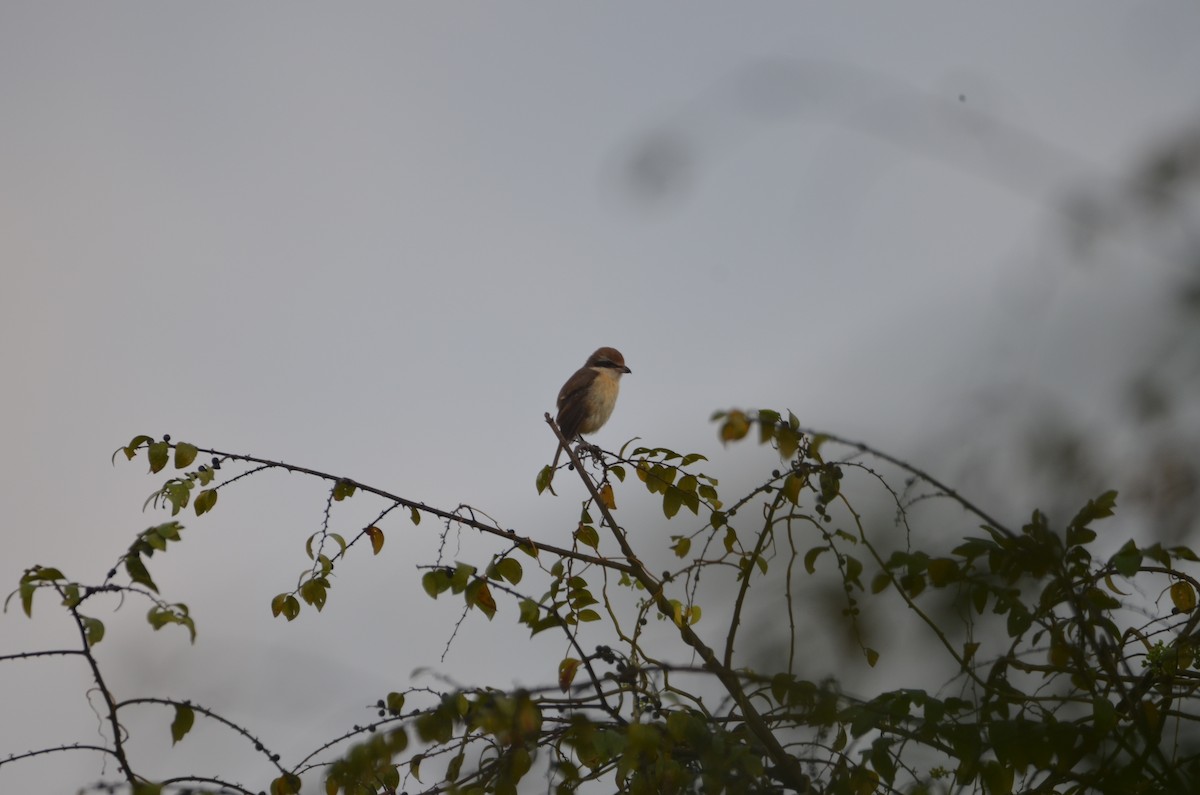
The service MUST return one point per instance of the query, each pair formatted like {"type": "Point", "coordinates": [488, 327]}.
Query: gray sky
{"type": "Point", "coordinates": [376, 238]}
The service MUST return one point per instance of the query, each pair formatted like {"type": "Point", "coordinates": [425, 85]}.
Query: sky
{"type": "Point", "coordinates": [375, 238]}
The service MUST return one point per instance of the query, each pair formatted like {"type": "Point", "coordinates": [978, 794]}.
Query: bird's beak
{"type": "Point", "coordinates": [626, 370]}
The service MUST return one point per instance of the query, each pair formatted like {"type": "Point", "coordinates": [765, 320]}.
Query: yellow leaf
{"type": "Point", "coordinates": [566, 673]}
{"type": "Point", "coordinates": [1183, 596]}
{"type": "Point", "coordinates": [376, 536]}
{"type": "Point", "coordinates": [735, 427]}
{"type": "Point", "coordinates": [606, 497]}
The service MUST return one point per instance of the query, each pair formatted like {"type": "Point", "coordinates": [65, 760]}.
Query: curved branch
{"type": "Point", "coordinates": [510, 535]}
{"type": "Point", "coordinates": [69, 747]}
{"type": "Point", "coordinates": [920, 473]}
{"type": "Point", "coordinates": [208, 713]}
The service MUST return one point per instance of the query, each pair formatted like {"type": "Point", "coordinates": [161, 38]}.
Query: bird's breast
{"type": "Point", "coordinates": [601, 399]}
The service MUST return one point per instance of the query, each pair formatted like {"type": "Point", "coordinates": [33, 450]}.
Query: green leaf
{"type": "Point", "coordinates": [205, 501]}
{"type": "Point", "coordinates": [672, 501]}
{"type": "Point", "coordinates": [156, 541]}
{"type": "Point", "coordinates": [48, 574]}
{"type": "Point", "coordinates": [395, 703]}
{"type": "Point", "coordinates": [510, 569]}
{"type": "Point", "coordinates": [159, 452]}
{"type": "Point", "coordinates": [587, 535]}
{"type": "Point", "coordinates": [810, 558]}
{"type": "Point", "coordinates": [529, 611]}
{"type": "Point", "coordinates": [731, 539]}
{"type": "Point", "coordinates": [314, 593]}
{"type": "Point", "coordinates": [414, 515]}
{"type": "Point", "coordinates": [588, 614]}
{"type": "Point", "coordinates": [161, 615]}
{"type": "Point", "coordinates": [1019, 620]}
{"type": "Point", "coordinates": [788, 441]}
{"type": "Point", "coordinates": [454, 768]}
{"type": "Point", "coordinates": [791, 488]}
{"type": "Point", "coordinates": [130, 450]}
{"type": "Point", "coordinates": [1099, 508]}
{"type": "Point", "coordinates": [882, 759]}
{"type": "Point", "coordinates": [137, 572]}
{"type": "Point", "coordinates": [854, 568]}
{"type": "Point", "coordinates": [1128, 559]}
{"type": "Point", "coordinates": [942, 572]}
{"type": "Point", "coordinates": [768, 424]}
{"type": "Point", "coordinates": [71, 596]}
{"type": "Point", "coordinates": [528, 547]}
{"type": "Point", "coordinates": [170, 531]}
{"type": "Point", "coordinates": [1104, 715]}
{"type": "Point", "coordinates": [997, 778]}
{"type": "Point", "coordinates": [185, 454]}
{"type": "Point", "coordinates": [436, 582]}
{"type": "Point", "coordinates": [546, 474]}
{"type": "Point", "coordinates": [93, 628]}
{"type": "Point", "coordinates": [682, 546]}
{"type": "Point", "coordinates": [343, 489]}
{"type": "Point", "coordinates": [185, 716]}
{"type": "Point", "coordinates": [278, 604]}
{"type": "Point", "coordinates": [462, 574]}
{"type": "Point", "coordinates": [872, 656]}
{"type": "Point", "coordinates": [1185, 553]}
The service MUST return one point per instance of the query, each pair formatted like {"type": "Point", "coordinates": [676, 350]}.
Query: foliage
{"type": "Point", "coordinates": [1064, 678]}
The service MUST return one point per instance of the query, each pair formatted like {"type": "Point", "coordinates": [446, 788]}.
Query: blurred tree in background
{"type": "Point", "coordinates": [975, 653]}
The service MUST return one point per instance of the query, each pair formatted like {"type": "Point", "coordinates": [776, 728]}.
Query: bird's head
{"type": "Point", "coordinates": [608, 358]}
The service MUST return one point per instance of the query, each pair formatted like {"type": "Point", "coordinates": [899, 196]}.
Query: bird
{"type": "Point", "coordinates": [586, 400]}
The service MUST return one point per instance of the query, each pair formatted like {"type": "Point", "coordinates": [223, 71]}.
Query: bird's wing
{"type": "Point", "coordinates": [571, 409]}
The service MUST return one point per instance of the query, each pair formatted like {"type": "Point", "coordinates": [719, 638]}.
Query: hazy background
{"type": "Point", "coordinates": [375, 238]}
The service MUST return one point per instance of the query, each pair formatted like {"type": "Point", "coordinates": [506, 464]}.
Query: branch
{"type": "Point", "coordinates": [28, 655]}
{"type": "Point", "coordinates": [768, 532]}
{"type": "Point", "coordinates": [170, 702]}
{"type": "Point", "coordinates": [511, 535]}
{"type": "Point", "coordinates": [43, 751]}
{"type": "Point", "coordinates": [788, 766]}
{"type": "Point", "coordinates": [920, 473]}
{"type": "Point", "coordinates": [118, 749]}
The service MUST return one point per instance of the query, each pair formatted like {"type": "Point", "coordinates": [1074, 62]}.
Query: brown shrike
{"type": "Point", "coordinates": [586, 401]}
